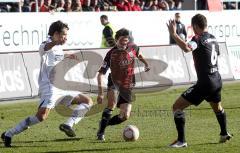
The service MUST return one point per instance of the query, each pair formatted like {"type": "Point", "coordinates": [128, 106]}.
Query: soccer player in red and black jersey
{"type": "Point", "coordinates": [120, 59]}
{"type": "Point", "coordinates": [205, 51]}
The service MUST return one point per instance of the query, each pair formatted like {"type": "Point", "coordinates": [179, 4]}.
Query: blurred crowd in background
{"type": "Point", "coordinates": [102, 5]}
{"type": "Point", "coordinates": [92, 5]}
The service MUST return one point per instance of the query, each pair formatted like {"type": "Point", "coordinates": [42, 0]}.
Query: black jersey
{"type": "Point", "coordinates": [205, 55]}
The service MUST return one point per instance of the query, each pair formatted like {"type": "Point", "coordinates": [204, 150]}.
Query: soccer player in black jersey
{"type": "Point", "coordinates": [205, 51]}
{"type": "Point", "coordinates": [120, 59]}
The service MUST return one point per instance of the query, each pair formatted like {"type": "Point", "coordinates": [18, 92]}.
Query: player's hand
{"type": "Point", "coordinates": [171, 26]}
{"type": "Point", "coordinates": [100, 99]}
{"type": "Point", "coordinates": [146, 68]}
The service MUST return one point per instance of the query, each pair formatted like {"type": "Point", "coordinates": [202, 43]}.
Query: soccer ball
{"type": "Point", "coordinates": [130, 133]}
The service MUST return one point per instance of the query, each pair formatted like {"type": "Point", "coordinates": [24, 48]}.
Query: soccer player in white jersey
{"type": "Point", "coordinates": [51, 54]}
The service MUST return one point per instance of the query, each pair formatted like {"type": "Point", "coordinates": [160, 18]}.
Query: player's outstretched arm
{"type": "Point", "coordinates": [141, 58]}
{"type": "Point", "coordinates": [100, 88]}
{"type": "Point", "coordinates": [172, 31]}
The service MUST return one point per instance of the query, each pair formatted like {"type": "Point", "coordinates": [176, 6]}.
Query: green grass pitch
{"type": "Point", "coordinates": [151, 114]}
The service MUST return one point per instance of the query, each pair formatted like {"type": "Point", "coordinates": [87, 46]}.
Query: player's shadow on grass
{"type": "Point", "coordinates": [55, 140]}
{"type": "Point", "coordinates": [105, 149]}
{"type": "Point", "coordinates": [105, 142]}
{"type": "Point", "coordinates": [68, 139]}
{"type": "Point", "coordinates": [207, 143]}
{"type": "Point", "coordinates": [209, 108]}
{"type": "Point", "coordinates": [24, 146]}
{"type": "Point", "coordinates": [29, 142]}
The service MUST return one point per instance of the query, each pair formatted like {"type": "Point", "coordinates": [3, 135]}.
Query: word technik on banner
{"type": "Point", "coordinates": [86, 29]}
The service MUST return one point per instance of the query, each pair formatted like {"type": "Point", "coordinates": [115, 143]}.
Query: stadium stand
{"type": "Point", "coordinates": [111, 5]}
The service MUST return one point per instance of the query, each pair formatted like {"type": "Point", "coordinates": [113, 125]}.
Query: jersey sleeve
{"type": "Point", "coordinates": [217, 49]}
{"type": "Point", "coordinates": [137, 49]}
{"type": "Point", "coordinates": [133, 46]}
{"type": "Point", "coordinates": [41, 48]}
{"type": "Point", "coordinates": [106, 64]}
{"type": "Point", "coordinates": [193, 45]}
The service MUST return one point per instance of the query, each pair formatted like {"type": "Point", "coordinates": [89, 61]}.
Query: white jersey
{"type": "Point", "coordinates": [49, 59]}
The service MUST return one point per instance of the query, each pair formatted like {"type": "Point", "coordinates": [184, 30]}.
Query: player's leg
{"type": "Point", "coordinates": [125, 99]}
{"type": "Point", "coordinates": [179, 119]}
{"type": "Point", "coordinates": [84, 104]}
{"type": "Point", "coordinates": [125, 111]}
{"type": "Point", "coordinates": [107, 113]}
{"type": "Point", "coordinates": [221, 117]}
{"type": "Point", "coordinates": [192, 96]}
{"type": "Point", "coordinates": [40, 116]}
{"type": "Point", "coordinates": [214, 99]}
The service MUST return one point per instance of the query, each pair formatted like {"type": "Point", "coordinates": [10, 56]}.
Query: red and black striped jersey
{"type": "Point", "coordinates": [121, 64]}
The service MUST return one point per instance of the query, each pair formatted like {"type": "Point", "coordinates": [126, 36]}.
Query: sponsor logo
{"type": "Point", "coordinates": [11, 80]}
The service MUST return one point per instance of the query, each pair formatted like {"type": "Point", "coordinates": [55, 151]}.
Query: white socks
{"type": "Point", "coordinates": [78, 114]}
{"type": "Point", "coordinates": [23, 125]}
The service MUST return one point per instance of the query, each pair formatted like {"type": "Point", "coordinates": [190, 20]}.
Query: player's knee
{"type": "Point", "coordinates": [89, 101]}
{"type": "Point", "coordinates": [83, 99]}
{"type": "Point", "coordinates": [174, 107]}
{"type": "Point", "coordinates": [217, 110]}
{"type": "Point", "coordinates": [217, 107]}
{"type": "Point", "coordinates": [125, 117]}
{"type": "Point", "coordinates": [42, 117]}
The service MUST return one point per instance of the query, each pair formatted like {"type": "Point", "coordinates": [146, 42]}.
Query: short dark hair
{"type": "Point", "coordinates": [199, 20]}
{"type": "Point", "coordinates": [122, 32]}
{"type": "Point", "coordinates": [177, 13]}
{"type": "Point", "coordinates": [57, 26]}
{"type": "Point", "coordinates": [104, 17]}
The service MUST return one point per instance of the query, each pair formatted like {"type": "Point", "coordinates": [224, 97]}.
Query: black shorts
{"type": "Point", "coordinates": [210, 91]}
{"type": "Point", "coordinates": [124, 96]}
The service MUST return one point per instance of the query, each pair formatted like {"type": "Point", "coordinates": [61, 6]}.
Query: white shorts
{"type": "Point", "coordinates": [50, 101]}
